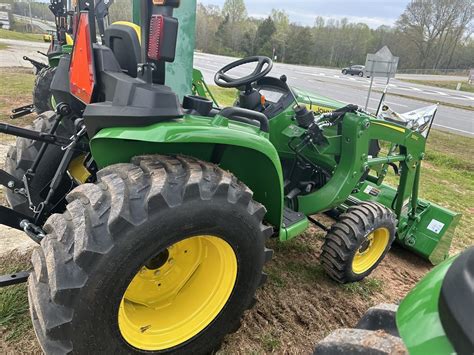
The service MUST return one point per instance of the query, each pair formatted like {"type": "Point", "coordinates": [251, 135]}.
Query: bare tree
{"type": "Point", "coordinates": [432, 25]}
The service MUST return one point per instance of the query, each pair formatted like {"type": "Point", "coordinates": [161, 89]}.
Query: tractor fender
{"type": "Point", "coordinates": [241, 149]}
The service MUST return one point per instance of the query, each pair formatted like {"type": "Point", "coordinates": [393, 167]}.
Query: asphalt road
{"type": "Point", "coordinates": [41, 24]}
{"type": "Point", "coordinates": [322, 81]}
{"type": "Point", "coordinates": [348, 89]}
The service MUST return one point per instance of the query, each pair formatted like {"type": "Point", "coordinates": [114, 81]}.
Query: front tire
{"type": "Point", "coordinates": [344, 72]}
{"type": "Point", "coordinates": [358, 242]}
{"type": "Point", "coordinates": [110, 266]}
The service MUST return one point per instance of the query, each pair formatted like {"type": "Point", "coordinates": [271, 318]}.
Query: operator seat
{"type": "Point", "coordinates": [123, 38]}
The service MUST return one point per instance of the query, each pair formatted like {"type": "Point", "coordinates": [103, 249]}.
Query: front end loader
{"type": "Point", "coordinates": [152, 211]}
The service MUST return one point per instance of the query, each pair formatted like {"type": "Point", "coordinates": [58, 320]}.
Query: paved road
{"type": "Point", "coordinates": [333, 84]}
{"type": "Point", "coordinates": [41, 24]}
{"type": "Point", "coordinates": [13, 55]}
{"type": "Point", "coordinates": [327, 82]}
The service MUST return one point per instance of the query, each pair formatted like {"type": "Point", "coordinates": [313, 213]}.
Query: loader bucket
{"type": "Point", "coordinates": [429, 234]}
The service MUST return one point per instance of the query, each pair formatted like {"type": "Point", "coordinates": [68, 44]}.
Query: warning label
{"type": "Point", "coordinates": [372, 191]}
{"type": "Point", "coordinates": [436, 226]}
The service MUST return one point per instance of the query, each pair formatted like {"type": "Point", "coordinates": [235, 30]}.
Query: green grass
{"type": "Point", "coordinates": [6, 34]}
{"type": "Point", "coordinates": [443, 84]}
{"type": "Point", "coordinates": [270, 343]}
{"type": "Point", "coordinates": [16, 93]}
{"type": "Point", "coordinates": [225, 97]}
{"type": "Point", "coordinates": [3, 46]}
{"type": "Point", "coordinates": [365, 288]}
{"type": "Point", "coordinates": [14, 315]}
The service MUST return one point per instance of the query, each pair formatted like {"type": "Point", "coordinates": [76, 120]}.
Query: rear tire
{"type": "Point", "coordinates": [132, 216]}
{"type": "Point", "coordinates": [42, 95]}
{"type": "Point", "coordinates": [358, 242]}
{"type": "Point", "coordinates": [21, 157]}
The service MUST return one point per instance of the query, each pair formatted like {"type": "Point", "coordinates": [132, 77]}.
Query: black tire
{"type": "Point", "coordinates": [21, 157]}
{"type": "Point", "coordinates": [350, 234]}
{"type": "Point", "coordinates": [361, 74]}
{"type": "Point", "coordinates": [42, 96]}
{"type": "Point", "coordinates": [344, 72]}
{"type": "Point", "coordinates": [110, 230]}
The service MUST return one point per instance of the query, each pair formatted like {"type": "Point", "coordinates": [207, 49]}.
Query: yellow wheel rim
{"type": "Point", "coordinates": [183, 292]}
{"type": "Point", "coordinates": [371, 250]}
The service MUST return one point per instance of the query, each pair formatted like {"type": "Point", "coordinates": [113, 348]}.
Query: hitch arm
{"type": "Point", "coordinates": [36, 64]}
{"type": "Point", "coordinates": [38, 136]}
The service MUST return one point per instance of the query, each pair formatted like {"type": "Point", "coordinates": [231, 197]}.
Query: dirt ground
{"type": "Point", "coordinates": [299, 305]}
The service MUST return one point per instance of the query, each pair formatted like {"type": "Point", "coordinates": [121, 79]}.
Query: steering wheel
{"type": "Point", "coordinates": [223, 80]}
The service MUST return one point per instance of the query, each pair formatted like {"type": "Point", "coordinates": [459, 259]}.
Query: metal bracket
{"type": "Point", "coordinates": [22, 111]}
{"type": "Point", "coordinates": [14, 279]}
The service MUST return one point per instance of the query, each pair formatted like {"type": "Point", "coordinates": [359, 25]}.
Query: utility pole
{"type": "Point", "coordinates": [31, 17]}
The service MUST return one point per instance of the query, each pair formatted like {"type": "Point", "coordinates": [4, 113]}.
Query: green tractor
{"type": "Point", "coordinates": [152, 206]}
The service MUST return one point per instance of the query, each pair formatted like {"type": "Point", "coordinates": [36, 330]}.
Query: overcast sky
{"type": "Point", "coordinates": [372, 12]}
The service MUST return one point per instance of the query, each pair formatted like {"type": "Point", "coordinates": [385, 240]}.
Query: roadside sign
{"type": "Point", "coordinates": [382, 64]}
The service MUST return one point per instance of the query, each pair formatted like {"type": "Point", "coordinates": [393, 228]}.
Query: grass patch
{"type": "Point", "coordinates": [270, 343]}
{"type": "Point", "coordinates": [443, 84]}
{"type": "Point", "coordinates": [21, 36]}
{"type": "Point", "coordinates": [365, 288]}
{"type": "Point", "coordinates": [14, 315]}
{"type": "Point", "coordinates": [309, 273]}
{"type": "Point", "coordinates": [16, 93]}
{"type": "Point", "coordinates": [3, 46]}
{"type": "Point", "coordinates": [225, 97]}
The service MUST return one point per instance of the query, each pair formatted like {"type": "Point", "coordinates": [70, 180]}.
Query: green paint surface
{"type": "Point", "coordinates": [418, 318]}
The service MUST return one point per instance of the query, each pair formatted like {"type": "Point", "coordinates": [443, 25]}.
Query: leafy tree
{"type": "Point", "coordinates": [235, 14]}
{"type": "Point", "coordinates": [263, 40]}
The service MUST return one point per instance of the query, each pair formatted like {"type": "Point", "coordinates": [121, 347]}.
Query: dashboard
{"type": "Point", "coordinates": [277, 95]}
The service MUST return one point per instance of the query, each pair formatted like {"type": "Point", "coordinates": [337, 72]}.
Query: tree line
{"type": "Point", "coordinates": [430, 34]}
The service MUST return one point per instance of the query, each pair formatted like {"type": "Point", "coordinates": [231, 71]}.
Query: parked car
{"type": "Point", "coordinates": [354, 70]}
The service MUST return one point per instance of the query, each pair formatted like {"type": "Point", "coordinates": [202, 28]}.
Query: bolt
{"type": "Point", "coordinates": [171, 261]}
{"type": "Point", "coordinates": [11, 184]}
{"type": "Point", "coordinates": [157, 273]}
{"type": "Point", "coordinates": [411, 241]}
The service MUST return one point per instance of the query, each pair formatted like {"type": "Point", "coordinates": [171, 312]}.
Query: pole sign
{"type": "Point", "coordinates": [380, 65]}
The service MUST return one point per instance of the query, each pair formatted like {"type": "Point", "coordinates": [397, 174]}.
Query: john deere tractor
{"type": "Point", "coordinates": [152, 209]}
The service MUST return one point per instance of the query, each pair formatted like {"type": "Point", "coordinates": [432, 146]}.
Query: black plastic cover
{"type": "Point", "coordinates": [123, 101]}
{"type": "Point", "coordinates": [60, 85]}
{"type": "Point", "coordinates": [198, 104]}
{"type": "Point", "coordinates": [456, 303]}
{"type": "Point", "coordinates": [124, 42]}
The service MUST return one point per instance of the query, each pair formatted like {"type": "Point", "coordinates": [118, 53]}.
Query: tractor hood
{"type": "Point", "coordinates": [317, 103]}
